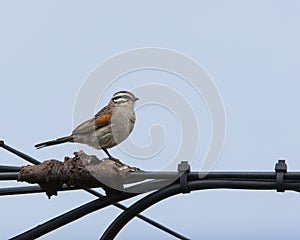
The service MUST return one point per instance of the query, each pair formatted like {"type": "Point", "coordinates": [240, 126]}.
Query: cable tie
{"type": "Point", "coordinates": [280, 169]}
{"type": "Point", "coordinates": [184, 168]}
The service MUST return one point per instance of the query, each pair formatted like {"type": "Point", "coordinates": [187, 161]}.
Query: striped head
{"type": "Point", "coordinates": [123, 98]}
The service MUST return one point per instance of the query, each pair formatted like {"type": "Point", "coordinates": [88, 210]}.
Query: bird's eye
{"type": "Point", "coordinates": [120, 99]}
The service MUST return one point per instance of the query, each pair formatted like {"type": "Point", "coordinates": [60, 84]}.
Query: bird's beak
{"type": "Point", "coordinates": [135, 99]}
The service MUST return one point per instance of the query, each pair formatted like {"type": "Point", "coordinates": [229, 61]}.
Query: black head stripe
{"type": "Point", "coordinates": [123, 96]}
{"type": "Point", "coordinates": [121, 99]}
{"type": "Point", "coordinates": [123, 93]}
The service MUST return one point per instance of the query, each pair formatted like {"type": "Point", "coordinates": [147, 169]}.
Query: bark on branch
{"type": "Point", "coordinates": [81, 171]}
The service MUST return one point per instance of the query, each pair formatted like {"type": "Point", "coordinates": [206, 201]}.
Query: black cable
{"type": "Point", "coordinates": [140, 176]}
{"type": "Point", "coordinates": [9, 169]}
{"type": "Point", "coordinates": [9, 176]}
{"type": "Point", "coordinates": [193, 185]}
{"type": "Point", "coordinates": [70, 216]}
{"type": "Point", "coordinates": [174, 189]}
{"type": "Point", "coordinates": [18, 153]}
{"type": "Point", "coordinates": [146, 219]}
{"type": "Point", "coordinates": [28, 190]}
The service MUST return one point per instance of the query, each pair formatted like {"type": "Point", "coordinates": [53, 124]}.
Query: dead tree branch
{"type": "Point", "coordinates": [81, 171]}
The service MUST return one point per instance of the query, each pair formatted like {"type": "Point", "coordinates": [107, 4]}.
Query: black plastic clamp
{"type": "Point", "coordinates": [184, 168]}
{"type": "Point", "coordinates": [280, 169]}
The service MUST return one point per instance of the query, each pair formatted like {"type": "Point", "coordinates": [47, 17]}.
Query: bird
{"type": "Point", "coordinates": [108, 128]}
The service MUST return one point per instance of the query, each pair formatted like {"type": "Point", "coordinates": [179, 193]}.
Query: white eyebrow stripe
{"type": "Point", "coordinates": [120, 99]}
{"type": "Point", "coordinates": [121, 94]}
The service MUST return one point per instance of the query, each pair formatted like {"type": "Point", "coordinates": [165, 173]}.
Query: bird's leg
{"type": "Point", "coordinates": [110, 156]}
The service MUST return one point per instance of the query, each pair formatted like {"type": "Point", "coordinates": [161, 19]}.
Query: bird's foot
{"type": "Point", "coordinates": [110, 156]}
{"type": "Point", "coordinates": [114, 159]}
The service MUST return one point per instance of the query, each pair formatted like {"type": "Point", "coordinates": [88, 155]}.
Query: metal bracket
{"type": "Point", "coordinates": [184, 168]}
{"type": "Point", "coordinates": [280, 169]}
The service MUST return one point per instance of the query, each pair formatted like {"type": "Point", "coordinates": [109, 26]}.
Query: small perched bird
{"type": "Point", "coordinates": [109, 127]}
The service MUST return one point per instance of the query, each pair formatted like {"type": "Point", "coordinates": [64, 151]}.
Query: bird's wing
{"type": "Point", "coordinates": [101, 119]}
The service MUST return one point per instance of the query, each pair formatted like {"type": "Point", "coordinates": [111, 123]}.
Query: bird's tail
{"type": "Point", "coordinates": [54, 142]}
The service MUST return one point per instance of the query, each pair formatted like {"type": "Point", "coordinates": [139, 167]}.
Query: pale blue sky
{"type": "Point", "coordinates": [250, 48]}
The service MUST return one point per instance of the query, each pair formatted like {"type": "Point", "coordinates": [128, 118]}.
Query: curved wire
{"type": "Point", "coordinates": [71, 216]}
{"type": "Point", "coordinates": [174, 189]}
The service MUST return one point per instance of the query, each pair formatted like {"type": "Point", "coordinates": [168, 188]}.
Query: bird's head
{"type": "Point", "coordinates": [123, 98]}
